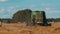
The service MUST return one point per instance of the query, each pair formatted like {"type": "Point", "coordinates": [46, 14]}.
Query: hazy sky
{"type": "Point", "coordinates": [9, 7]}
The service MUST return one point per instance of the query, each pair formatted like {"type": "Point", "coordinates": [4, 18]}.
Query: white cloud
{"type": "Point", "coordinates": [5, 16]}
{"type": "Point", "coordinates": [2, 10]}
{"type": "Point", "coordinates": [51, 10]}
{"type": "Point", "coordinates": [3, 0]}
{"type": "Point", "coordinates": [48, 8]}
{"type": "Point", "coordinates": [10, 9]}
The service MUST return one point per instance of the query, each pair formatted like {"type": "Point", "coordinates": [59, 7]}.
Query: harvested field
{"type": "Point", "coordinates": [20, 28]}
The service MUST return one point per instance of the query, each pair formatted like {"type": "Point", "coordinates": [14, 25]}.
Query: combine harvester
{"type": "Point", "coordinates": [31, 18]}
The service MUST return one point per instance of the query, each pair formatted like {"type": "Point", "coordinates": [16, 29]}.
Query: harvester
{"type": "Point", "coordinates": [31, 17]}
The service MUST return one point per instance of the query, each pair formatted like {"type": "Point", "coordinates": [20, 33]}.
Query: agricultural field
{"type": "Point", "coordinates": [21, 28]}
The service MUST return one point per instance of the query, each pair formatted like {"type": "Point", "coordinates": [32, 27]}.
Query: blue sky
{"type": "Point", "coordinates": [9, 7]}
